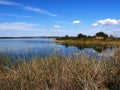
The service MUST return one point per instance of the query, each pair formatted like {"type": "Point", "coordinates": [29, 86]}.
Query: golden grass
{"type": "Point", "coordinates": [89, 42]}
{"type": "Point", "coordinates": [62, 73]}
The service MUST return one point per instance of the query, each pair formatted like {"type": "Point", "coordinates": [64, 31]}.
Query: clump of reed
{"type": "Point", "coordinates": [61, 73]}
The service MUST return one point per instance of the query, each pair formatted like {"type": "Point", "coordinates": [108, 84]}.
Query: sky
{"type": "Point", "coordinates": [59, 17]}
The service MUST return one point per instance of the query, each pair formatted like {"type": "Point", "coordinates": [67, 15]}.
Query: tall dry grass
{"type": "Point", "coordinates": [61, 73]}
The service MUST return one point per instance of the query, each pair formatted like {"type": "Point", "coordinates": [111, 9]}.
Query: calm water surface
{"type": "Point", "coordinates": [44, 47]}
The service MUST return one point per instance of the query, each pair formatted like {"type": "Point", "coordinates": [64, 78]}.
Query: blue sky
{"type": "Point", "coordinates": [59, 17]}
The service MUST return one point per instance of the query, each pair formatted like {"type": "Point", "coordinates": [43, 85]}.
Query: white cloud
{"type": "Point", "coordinates": [13, 15]}
{"type": "Point", "coordinates": [107, 22]}
{"type": "Point", "coordinates": [38, 10]}
{"type": "Point", "coordinates": [9, 3]}
{"type": "Point", "coordinates": [17, 26]}
{"type": "Point", "coordinates": [95, 24]}
{"type": "Point", "coordinates": [76, 22]}
{"type": "Point", "coordinates": [30, 29]}
{"type": "Point", "coordinates": [56, 26]}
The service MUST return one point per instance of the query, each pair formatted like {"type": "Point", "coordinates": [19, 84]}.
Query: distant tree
{"type": "Point", "coordinates": [81, 36]}
{"type": "Point", "coordinates": [101, 34]}
{"type": "Point", "coordinates": [111, 36]}
{"type": "Point", "coordinates": [66, 36]}
{"type": "Point", "coordinates": [89, 37]}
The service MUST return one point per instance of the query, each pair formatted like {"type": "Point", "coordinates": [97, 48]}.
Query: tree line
{"type": "Point", "coordinates": [98, 35]}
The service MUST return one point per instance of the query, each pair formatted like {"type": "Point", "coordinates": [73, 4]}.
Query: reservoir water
{"type": "Point", "coordinates": [30, 47]}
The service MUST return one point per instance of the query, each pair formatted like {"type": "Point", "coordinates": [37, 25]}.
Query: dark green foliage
{"type": "Point", "coordinates": [101, 34]}
{"type": "Point", "coordinates": [66, 36]}
{"type": "Point", "coordinates": [81, 36]}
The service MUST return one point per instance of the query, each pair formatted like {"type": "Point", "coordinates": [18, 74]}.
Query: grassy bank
{"type": "Point", "coordinates": [99, 38]}
{"type": "Point", "coordinates": [61, 73]}
{"type": "Point", "coordinates": [89, 42]}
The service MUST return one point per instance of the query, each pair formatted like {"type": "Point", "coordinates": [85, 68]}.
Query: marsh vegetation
{"type": "Point", "coordinates": [60, 72]}
{"type": "Point", "coordinates": [99, 38]}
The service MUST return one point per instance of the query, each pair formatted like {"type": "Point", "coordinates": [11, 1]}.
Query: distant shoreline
{"type": "Point", "coordinates": [27, 37]}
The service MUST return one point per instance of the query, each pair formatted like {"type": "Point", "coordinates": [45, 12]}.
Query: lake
{"type": "Point", "coordinates": [43, 47]}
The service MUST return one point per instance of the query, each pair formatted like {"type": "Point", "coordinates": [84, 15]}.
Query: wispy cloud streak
{"type": "Point", "coordinates": [17, 26]}
{"type": "Point", "coordinates": [38, 10]}
{"type": "Point", "coordinates": [56, 26]}
{"type": "Point", "coordinates": [9, 3]}
{"type": "Point", "coordinates": [13, 15]}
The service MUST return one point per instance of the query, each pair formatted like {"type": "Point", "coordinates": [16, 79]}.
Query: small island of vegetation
{"type": "Point", "coordinates": [99, 38]}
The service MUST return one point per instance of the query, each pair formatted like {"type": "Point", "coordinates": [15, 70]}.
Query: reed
{"type": "Point", "coordinates": [61, 72]}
